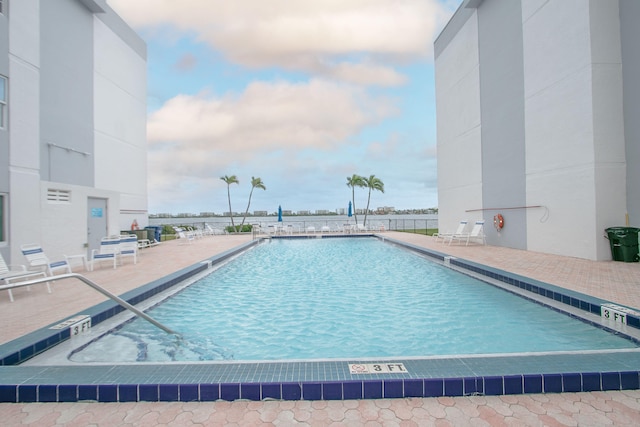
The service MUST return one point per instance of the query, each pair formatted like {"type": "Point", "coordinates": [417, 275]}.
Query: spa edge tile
{"type": "Point", "coordinates": [127, 393]}
{"type": "Point", "coordinates": [291, 391]}
{"type": "Point", "coordinates": [332, 391]}
{"type": "Point", "coordinates": [352, 390]}
{"type": "Point", "coordinates": [27, 393]}
{"type": "Point", "coordinates": [250, 391]}
{"type": "Point", "coordinates": [493, 386]}
{"type": "Point", "coordinates": [271, 391]}
{"type": "Point", "coordinates": [533, 383]}
{"type": "Point", "coordinates": [393, 389]}
{"type": "Point", "coordinates": [188, 392]}
{"type": "Point", "coordinates": [209, 392]}
{"type": "Point", "coordinates": [630, 380]}
{"type": "Point", "coordinates": [571, 382]}
{"type": "Point", "coordinates": [591, 382]}
{"type": "Point", "coordinates": [149, 392]}
{"type": "Point", "coordinates": [312, 391]}
{"type": "Point", "coordinates": [453, 387]}
{"type": "Point", "coordinates": [372, 389]}
{"type": "Point", "coordinates": [412, 388]}
{"type": "Point", "coordinates": [107, 393]}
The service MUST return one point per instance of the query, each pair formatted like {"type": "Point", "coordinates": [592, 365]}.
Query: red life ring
{"type": "Point", "coordinates": [498, 222]}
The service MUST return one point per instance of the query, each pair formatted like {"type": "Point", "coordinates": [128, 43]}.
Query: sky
{"type": "Point", "coordinates": [299, 93]}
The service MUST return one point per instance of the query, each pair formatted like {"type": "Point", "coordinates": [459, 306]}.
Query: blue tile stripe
{"type": "Point", "coordinates": [312, 380]}
{"type": "Point", "coordinates": [327, 390]}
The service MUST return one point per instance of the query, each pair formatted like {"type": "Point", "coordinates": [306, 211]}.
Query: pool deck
{"type": "Point", "coordinates": [613, 281]}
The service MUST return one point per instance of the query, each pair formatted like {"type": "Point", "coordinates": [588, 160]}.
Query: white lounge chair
{"type": "Point", "coordinates": [213, 231]}
{"type": "Point", "coordinates": [129, 247]}
{"type": "Point", "coordinates": [459, 231]}
{"type": "Point", "coordinates": [109, 250]}
{"type": "Point", "coordinates": [186, 237]}
{"type": "Point", "coordinates": [10, 274]}
{"type": "Point", "coordinates": [476, 233]}
{"type": "Point", "coordinates": [37, 260]}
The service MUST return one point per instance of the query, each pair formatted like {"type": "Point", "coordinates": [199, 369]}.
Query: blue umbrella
{"type": "Point", "coordinates": [349, 212]}
{"type": "Point", "coordinates": [279, 213]}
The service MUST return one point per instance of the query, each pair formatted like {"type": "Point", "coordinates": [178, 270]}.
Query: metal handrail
{"type": "Point", "coordinates": [98, 288]}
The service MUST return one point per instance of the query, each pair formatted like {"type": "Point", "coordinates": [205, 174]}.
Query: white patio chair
{"type": "Point", "coordinates": [109, 250]}
{"type": "Point", "coordinates": [477, 233]}
{"type": "Point", "coordinates": [10, 274]}
{"type": "Point", "coordinates": [129, 247]}
{"type": "Point", "coordinates": [459, 231]}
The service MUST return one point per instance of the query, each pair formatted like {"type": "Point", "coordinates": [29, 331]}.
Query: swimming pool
{"type": "Point", "coordinates": [319, 379]}
{"type": "Point", "coordinates": [292, 299]}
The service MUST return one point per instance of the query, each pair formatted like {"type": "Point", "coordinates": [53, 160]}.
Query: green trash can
{"type": "Point", "coordinates": [624, 243]}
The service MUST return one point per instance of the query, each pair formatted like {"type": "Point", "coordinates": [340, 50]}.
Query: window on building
{"type": "Point", "coordinates": [3, 101]}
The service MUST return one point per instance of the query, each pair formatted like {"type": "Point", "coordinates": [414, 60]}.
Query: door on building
{"type": "Point", "coordinates": [96, 222]}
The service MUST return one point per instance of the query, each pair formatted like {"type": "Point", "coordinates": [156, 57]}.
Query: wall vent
{"type": "Point", "coordinates": [58, 196]}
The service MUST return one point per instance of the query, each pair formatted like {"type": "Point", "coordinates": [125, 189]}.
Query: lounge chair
{"type": "Point", "coordinates": [129, 247]}
{"type": "Point", "coordinates": [213, 231]}
{"type": "Point", "coordinates": [109, 250]}
{"type": "Point", "coordinates": [184, 236]}
{"type": "Point", "coordinates": [37, 260]}
{"type": "Point", "coordinates": [476, 233]}
{"type": "Point", "coordinates": [9, 274]}
{"type": "Point", "coordinates": [459, 231]}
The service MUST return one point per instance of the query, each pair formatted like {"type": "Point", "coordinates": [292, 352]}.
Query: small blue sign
{"type": "Point", "coordinates": [96, 212]}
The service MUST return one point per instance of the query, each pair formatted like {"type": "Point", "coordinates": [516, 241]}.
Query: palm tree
{"type": "Point", "coordinates": [255, 183]}
{"type": "Point", "coordinates": [353, 182]}
{"type": "Point", "coordinates": [230, 180]}
{"type": "Point", "coordinates": [372, 183]}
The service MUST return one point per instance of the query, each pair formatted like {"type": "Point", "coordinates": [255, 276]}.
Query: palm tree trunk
{"type": "Point", "coordinates": [246, 210]}
{"type": "Point", "coordinates": [230, 211]}
{"type": "Point", "coordinates": [367, 211]}
{"type": "Point", "coordinates": [353, 202]}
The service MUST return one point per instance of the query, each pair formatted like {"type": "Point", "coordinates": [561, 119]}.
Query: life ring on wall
{"type": "Point", "coordinates": [498, 222]}
{"type": "Point", "coordinates": [134, 225]}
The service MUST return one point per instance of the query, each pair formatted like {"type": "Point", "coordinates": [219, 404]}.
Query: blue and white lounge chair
{"type": "Point", "coordinates": [37, 260]}
{"type": "Point", "coordinates": [109, 250]}
{"type": "Point", "coordinates": [129, 247]}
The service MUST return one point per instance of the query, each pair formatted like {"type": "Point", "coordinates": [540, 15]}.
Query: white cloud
{"type": "Point", "coordinates": [193, 140]}
{"type": "Point", "coordinates": [344, 39]}
{"type": "Point", "coordinates": [267, 116]}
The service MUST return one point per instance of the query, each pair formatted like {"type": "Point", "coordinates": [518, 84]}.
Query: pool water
{"type": "Point", "coordinates": [342, 298]}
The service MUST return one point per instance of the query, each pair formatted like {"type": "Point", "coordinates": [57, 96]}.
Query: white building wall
{"type": "Point", "coordinates": [24, 135]}
{"type": "Point", "coordinates": [120, 88]}
{"type": "Point", "coordinates": [458, 125]}
{"type": "Point", "coordinates": [562, 96]}
{"type": "Point", "coordinates": [574, 111]}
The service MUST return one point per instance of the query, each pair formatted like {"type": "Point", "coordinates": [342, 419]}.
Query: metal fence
{"type": "Point", "coordinates": [423, 226]}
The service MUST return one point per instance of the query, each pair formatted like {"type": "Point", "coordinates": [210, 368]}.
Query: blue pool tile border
{"type": "Point", "coordinates": [315, 380]}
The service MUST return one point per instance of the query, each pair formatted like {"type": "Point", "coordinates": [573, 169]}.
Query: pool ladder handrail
{"type": "Point", "coordinates": [98, 288]}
